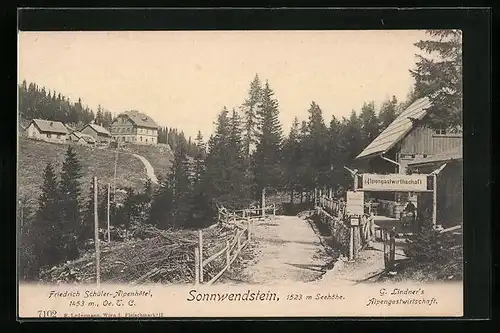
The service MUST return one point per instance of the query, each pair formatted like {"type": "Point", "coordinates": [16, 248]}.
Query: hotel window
{"type": "Point", "coordinates": [49, 135]}
{"type": "Point", "coordinates": [146, 140]}
{"type": "Point", "coordinates": [141, 138]}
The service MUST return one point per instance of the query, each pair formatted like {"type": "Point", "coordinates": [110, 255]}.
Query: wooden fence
{"type": "Point", "coordinates": [241, 238]}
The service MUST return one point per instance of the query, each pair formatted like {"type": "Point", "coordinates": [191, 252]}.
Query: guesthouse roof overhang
{"type": "Point", "coordinates": [397, 130]}
{"type": "Point", "coordinates": [446, 156]}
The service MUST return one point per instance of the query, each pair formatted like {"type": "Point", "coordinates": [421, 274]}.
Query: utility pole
{"type": "Point", "coordinates": [96, 236]}
{"type": "Point", "coordinates": [109, 232]}
{"type": "Point", "coordinates": [114, 176]}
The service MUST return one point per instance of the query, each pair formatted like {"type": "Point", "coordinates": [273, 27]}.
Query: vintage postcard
{"type": "Point", "coordinates": [172, 174]}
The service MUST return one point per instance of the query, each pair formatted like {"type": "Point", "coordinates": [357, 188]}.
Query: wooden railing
{"type": "Point", "coordinates": [233, 246]}
{"type": "Point", "coordinates": [332, 206]}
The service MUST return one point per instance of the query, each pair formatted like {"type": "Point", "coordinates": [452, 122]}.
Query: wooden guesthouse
{"type": "Point", "coordinates": [407, 146]}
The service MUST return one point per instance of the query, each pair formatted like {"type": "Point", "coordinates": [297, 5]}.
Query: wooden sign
{"type": "Point", "coordinates": [355, 203]}
{"type": "Point", "coordinates": [395, 182]}
{"type": "Point", "coordinates": [354, 221]}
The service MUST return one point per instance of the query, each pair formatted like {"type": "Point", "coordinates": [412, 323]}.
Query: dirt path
{"type": "Point", "coordinates": [283, 250]}
{"type": "Point", "coordinates": [149, 168]}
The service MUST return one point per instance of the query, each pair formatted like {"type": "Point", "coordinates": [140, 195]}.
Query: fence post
{"type": "Point", "coordinates": [351, 243]}
{"type": "Point", "coordinates": [392, 246]}
{"type": "Point", "coordinates": [196, 265]}
{"type": "Point", "coordinates": [244, 215]}
{"type": "Point", "coordinates": [263, 203]}
{"type": "Point", "coordinates": [274, 210]}
{"type": "Point", "coordinates": [200, 246]}
{"type": "Point", "coordinates": [249, 229]}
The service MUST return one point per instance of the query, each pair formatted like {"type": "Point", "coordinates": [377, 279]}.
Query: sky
{"type": "Point", "coordinates": [183, 79]}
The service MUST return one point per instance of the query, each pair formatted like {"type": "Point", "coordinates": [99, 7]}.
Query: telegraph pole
{"type": "Point", "coordinates": [96, 236]}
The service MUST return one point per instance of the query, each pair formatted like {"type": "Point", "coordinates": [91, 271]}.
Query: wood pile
{"type": "Point", "coordinates": [162, 257]}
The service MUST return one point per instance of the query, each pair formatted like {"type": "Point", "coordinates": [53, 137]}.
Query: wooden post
{"type": "Point", "coordinates": [355, 241]}
{"type": "Point", "coordinates": [96, 237]}
{"type": "Point", "coordinates": [228, 254]}
{"type": "Point", "coordinates": [392, 246]}
{"type": "Point", "coordinates": [274, 210]}
{"type": "Point", "coordinates": [434, 200]}
{"type": "Point", "coordinates": [114, 176]}
{"type": "Point", "coordinates": [263, 203]}
{"type": "Point", "coordinates": [249, 229]}
{"type": "Point", "coordinates": [200, 246]}
{"type": "Point", "coordinates": [196, 265]}
{"type": "Point", "coordinates": [330, 193]}
{"type": "Point", "coordinates": [351, 243]}
{"type": "Point", "coordinates": [109, 195]}
{"type": "Point", "coordinates": [244, 215]}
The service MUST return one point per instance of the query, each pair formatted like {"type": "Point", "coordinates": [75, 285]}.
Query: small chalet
{"type": "Point", "coordinates": [99, 133]}
{"type": "Point", "coordinates": [47, 130]}
{"type": "Point", "coordinates": [135, 127]}
{"type": "Point", "coordinates": [407, 146]}
{"type": "Point", "coordinates": [81, 139]}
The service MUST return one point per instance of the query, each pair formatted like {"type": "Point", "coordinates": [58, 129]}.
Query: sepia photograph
{"type": "Point", "coordinates": [229, 165]}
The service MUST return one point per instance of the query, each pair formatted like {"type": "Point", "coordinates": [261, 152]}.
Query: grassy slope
{"type": "Point", "coordinates": [34, 156]}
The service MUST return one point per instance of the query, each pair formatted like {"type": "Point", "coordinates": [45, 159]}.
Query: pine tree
{"type": "Point", "coordinates": [291, 159]}
{"type": "Point", "coordinates": [250, 109]}
{"type": "Point", "coordinates": [181, 185]}
{"type": "Point", "coordinates": [49, 240]}
{"type": "Point", "coordinates": [439, 76]}
{"type": "Point", "coordinates": [160, 214]}
{"type": "Point", "coordinates": [334, 153]}
{"type": "Point", "coordinates": [316, 145]}
{"type": "Point", "coordinates": [369, 123]}
{"type": "Point", "coordinates": [69, 190]}
{"type": "Point", "coordinates": [267, 155]}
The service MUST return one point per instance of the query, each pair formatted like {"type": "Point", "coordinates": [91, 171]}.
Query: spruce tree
{"type": "Point", "coordinates": [369, 123]}
{"type": "Point", "coordinates": [181, 185]}
{"type": "Point", "coordinates": [316, 144]}
{"type": "Point", "coordinates": [334, 153]}
{"type": "Point", "coordinates": [438, 75]}
{"type": "Point", "coordinates": [160, 213]}
{"type": "Point", "coordinates": [69, 190]}
{"type": "Point", "coordinates": [250, 109]}
{"type": "Point", "coordinates": [387, 113]}
{"type": "Point", "coordinates": [291, 159]}
{"type": "Point", "coordinates": [267, 155]}
{"type": "Point", "coordinates": [49, 240]}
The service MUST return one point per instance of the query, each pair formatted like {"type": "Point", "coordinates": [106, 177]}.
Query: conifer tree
{"type": "Point", "coordinates": [369, 123]}
{"type": "Point", "coordinates": [291, 159]}
{"type": "Point", "coordinates": [69, 190]}
{"type": "Point", "coordinates": [49, 241]}
{"type": "Point", "coordinates": [181, 185]}
{"type": "Point", "coordinates": [267, 155]}
{"type": "Point", "coordinates": [438, 75]}
{"type": "Point", "coordinates": [317, 145]}
{"type": "Point", "coordinates": [250, 109]}
{"type": "Point", "coordinates": [387, 113]}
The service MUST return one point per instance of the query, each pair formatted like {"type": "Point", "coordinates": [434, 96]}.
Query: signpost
{"type": "Point", "coordinates": [355, 203]}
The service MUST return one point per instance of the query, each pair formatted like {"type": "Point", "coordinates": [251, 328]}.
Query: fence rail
{"type": "Point", "coordinates": [241, 238]}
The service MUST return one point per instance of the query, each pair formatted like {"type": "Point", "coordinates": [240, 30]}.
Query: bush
{"type": "Point", "coordinates": [439, 254]}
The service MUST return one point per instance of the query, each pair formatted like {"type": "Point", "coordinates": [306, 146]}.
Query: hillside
{"type": "Point", "coordinates": [34, 156]}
